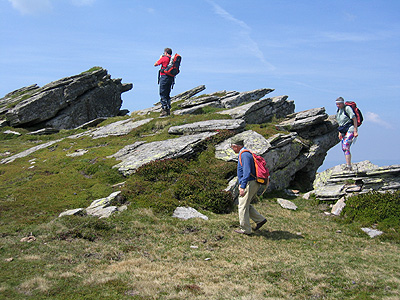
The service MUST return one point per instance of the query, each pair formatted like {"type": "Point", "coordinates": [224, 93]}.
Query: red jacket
{"type": "Point", "coordinates": [163, 61]}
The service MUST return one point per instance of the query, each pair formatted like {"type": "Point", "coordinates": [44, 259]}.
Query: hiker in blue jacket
{"type": "Point", "coordinates": [348, 129]}
{"type": "Point", "coordinates": [248, 188]}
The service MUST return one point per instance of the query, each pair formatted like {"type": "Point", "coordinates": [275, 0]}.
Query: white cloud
{"type": "Point", "coordinates": [249, 44]}
{"type": "Point", "coordinates": [29, 7]}
{"type": "Point", "coordinates": [375, 118]}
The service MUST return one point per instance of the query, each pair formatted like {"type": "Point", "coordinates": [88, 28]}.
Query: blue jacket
{"type": "Point", "coordinates": [247, 168]}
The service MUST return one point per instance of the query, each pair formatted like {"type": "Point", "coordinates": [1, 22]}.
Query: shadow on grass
{"type": "Point", "coordinates": [278, 235]}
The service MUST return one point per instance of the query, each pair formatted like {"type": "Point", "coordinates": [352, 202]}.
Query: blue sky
{"type": "Point", "coordinates": [313, 51]}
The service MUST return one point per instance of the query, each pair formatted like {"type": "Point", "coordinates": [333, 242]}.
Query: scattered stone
{"type": "Point", "coordinates": [286, 204]}
{"type": "Point", "coordinates": [44, 131]}
{"type": "Point", "coordinates": [11, 132]}
{"type": "Point", "coordinates": [186, 213]}
{"type": "Point", "coordinates": [9, 259]}
{"type": "Point", "coordinates": [291, 193]}
{"type": "Point", "coordinates": [372, 232]}
{"type": "Point", "coordinates": [338, 207]}
{"type": "Point", "coordinates": [119, 185]}
{"type": "Point", "coordinates": [102, 207]}
{"type": "Point", "coordinates": [73, 212]}
{"type": "Point", "coordinates": [338, 231]}
{"type": "Point", "coordinates": [307, 195]}
{"type": "Point", "coordinates": [194, 247]}
{"type": "Point", "coordinates": [7, 153]}
{"type": "Point", "coordinates": [28, 239]}
{"type": "Point", "coordinates": [78, 152]}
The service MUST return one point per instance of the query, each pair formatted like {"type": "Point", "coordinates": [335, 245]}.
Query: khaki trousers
{"type": "Point", "coordinates": [246, 210]}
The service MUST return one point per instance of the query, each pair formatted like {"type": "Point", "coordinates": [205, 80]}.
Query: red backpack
{"type": "Point", "coordinates": [356, 111]}
{"type": "Point", "coordinates": [262, 172]}
{"type": "Point", "coordinates": [172, 68]}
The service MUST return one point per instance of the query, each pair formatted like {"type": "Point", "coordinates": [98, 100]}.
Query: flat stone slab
{"type": "Point", "coordinates": [118, 128]}
{"type": "Point", "coordinates": [73, 212]}
{"type": "Point", "coordinates": [172, 148]}
{"type": "Point", "coordinates": [28, 152]}
{"type": "Point", "coordinates": [286, 204]}
{"type": "Point", "coordinates": [210, 125]}
{"type": "Point", "coordinates": [338, 207]}
{"type": "Point", "coordinates": [330, 191]}
{"type": "Point", "coordinates": [186, 213]}
{"type": "Point", "coordinates": [372, 232]}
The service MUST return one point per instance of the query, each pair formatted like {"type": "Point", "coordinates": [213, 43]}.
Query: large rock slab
{"type": "Point", "coordinates": [252, 140]}
{"type": "Point", "coordinates": [245, 97]}
{"type": "Point", "coordinates": [66, 103]}
{"type": "Point", "coordinates": [210, 125]}
{"type": "Point", "coordinates": [184, 146]}
{"type": "Point", "coordinates": [197, 109]}
{"type": "Point", "coordinates": [309, 123]}
{"type": "Point", "coordinates": [262, 111]}
{"type": "Point", "coordinates": [118, 128]}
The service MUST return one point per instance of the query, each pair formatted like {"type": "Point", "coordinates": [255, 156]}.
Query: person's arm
{"type": "Point", "coordinates": [355, 127]}
{"type": "Point", "coordinates": [159, 61]}
{"type": "Point", "coordinates": [246, 163]}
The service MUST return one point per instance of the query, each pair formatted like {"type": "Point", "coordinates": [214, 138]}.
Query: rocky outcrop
{"type": "Point", "coordinates": [291, 158]}
{"type": "Point", "coordinates": [336, 182]}
{"type": "Point", "coordinates": [66, 103]}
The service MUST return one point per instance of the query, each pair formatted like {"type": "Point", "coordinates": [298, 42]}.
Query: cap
{"type": "Point", "coordinates": [237, 141]}
{"type": "Point", "coordinates": [340, 100]}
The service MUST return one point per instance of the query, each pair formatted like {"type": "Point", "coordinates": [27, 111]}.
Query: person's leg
{"type": "Point", "coordinates": [168, 92]}
{"type": "Point", "coordinates": [244, 211]}
{"type": "Point", "coordinates": [247, 211]}
{"type": "Point", "coordinates": [346, 143]}
{"type": "Point", "coordinates": [164, 93]}
{"type": "Point", "coordinates": [254, 214]}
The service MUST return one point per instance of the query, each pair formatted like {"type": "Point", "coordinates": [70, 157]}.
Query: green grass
{"type": "Point", "coordinates": [144, 253]}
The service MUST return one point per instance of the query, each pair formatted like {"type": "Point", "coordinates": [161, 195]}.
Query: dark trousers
{"type": "Point", "coordinates": [165, 89]}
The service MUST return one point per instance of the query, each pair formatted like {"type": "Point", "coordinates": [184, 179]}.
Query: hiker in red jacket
{"type": "Point", "coordinates": [248, 188]}
{"type": "Point", "coordinates": [165, 82]}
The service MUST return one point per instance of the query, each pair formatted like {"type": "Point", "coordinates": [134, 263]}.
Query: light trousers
{"type": "Point", "coordinates": [246, 210]}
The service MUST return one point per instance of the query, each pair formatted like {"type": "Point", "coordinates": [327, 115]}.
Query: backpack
{"type": "Point", "coordinates": [356, 111]}
{"type": "Point", "coordinates": [172, 68]}
{"type": "Point", "coordinates": [262, 172]}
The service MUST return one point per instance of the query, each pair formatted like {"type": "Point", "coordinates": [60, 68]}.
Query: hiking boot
{"type": "Point", "coordinates": [168, 111]}
{"type": "Point", "coordinates": [164, 113]}
{"type": "Point", "coordinates": [240, 231]}
{"type": "Point", "coordinates": [348, 168]}
{"type": "Point", "coordinates": [259, 225]}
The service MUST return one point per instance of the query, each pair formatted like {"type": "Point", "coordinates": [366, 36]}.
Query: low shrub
{"type": "Point", "coordinates": [88, 228]}
{"type": "Point", "coordinates": [371, 208]}
{"type": "Point", "coordinates": [200, 182]}
{"type": "Point", "coordinates": [162, 170]}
